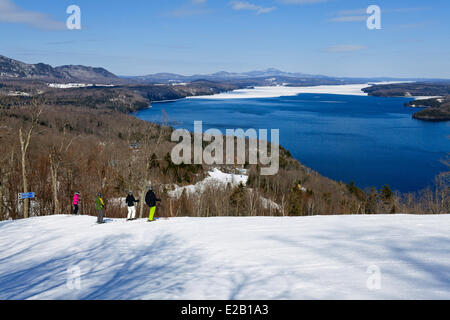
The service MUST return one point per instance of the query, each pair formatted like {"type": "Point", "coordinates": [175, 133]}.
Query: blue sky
{"type": "Point", "coordinates": [138, 37]}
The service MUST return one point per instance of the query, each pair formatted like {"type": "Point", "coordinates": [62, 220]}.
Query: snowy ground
{"type": "Point", "coordinates": [226, 258]}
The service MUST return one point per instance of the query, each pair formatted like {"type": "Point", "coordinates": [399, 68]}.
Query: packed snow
{"type": "Point", "coordinates": [323, 257]}
{"type": "Point", "coordinates": [285, 91]}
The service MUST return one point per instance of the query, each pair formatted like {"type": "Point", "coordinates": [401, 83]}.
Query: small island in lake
{"type": "Point", "coordinates": [436, 97]}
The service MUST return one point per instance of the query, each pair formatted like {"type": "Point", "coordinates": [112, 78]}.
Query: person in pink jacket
{"type": "Point", "coordinates": [76, 201]}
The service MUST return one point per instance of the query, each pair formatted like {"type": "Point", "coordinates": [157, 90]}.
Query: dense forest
{"type": "Point", "coordinates": [123, 98]}
{"type": "Point", "coordinates": [409, 89]}
{"type": "Point", "coordinates": [436, 109]}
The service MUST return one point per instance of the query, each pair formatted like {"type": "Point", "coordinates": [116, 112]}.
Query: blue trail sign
{"type": "Point", "coordinates": [29, 195]}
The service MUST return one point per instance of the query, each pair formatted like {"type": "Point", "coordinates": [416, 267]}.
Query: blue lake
{"type": "Point", "coordinates": [369, 140]}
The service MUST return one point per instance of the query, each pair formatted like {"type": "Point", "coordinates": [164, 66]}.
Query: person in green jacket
{"type": "Point", "coordinates": [100, 205]}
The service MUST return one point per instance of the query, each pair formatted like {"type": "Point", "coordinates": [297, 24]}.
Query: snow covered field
{"type": "Point", "coordinates": [227, 258]}
{"type": "Point", "coordinates": [284, 91]}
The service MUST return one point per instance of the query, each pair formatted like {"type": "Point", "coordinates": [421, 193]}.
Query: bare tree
{"type": "Point", "coordinates": [2, 189]}
{"type": "Point", "coordinates": [5, 170]}
{"type": "Point", "coordinates": [284, 205]}
{"type": "Point", "coordinates": [55, 158]}
{"type": "Point", "coordinates": [148, 149]}
{"type": "Point", "coordinates": [24, 139]}
{"type": "Point", "coordinates": [252, 198]}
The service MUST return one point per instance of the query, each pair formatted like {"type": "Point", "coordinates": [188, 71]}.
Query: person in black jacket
{"type": "Point", "coordinates": [130, 200]}
{"type": "Point", "coordinates": [150, 200]}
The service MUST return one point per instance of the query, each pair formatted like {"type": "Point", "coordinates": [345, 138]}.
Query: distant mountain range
{"type": "Point", "coordinates": [267, 76]}
{"type": "Point", "coordinates": [13, 69]}
{"type": "Point", "coordinates": [224, 76]}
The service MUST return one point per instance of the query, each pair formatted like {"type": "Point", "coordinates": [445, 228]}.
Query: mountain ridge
{"type": "Point", "coordinates": [223, 75]}
{"type": "Point", "coordinates": [18, 70]}
{"type": "Point", "coordinates": [14, 69]}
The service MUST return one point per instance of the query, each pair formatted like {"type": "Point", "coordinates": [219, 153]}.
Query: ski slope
{"type": "Point", "coordinates": [326, 257]}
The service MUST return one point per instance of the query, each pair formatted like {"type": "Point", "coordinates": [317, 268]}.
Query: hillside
{"type": "Point", "coordinates": [66, 257]}
{"type": "Point", "coordinates": [82, 86]}
{"type": "Point", "coordinates": [121, 97]}
{"type": "Point", "coordinates": [414, 89]}
{"type": "Point", "coordinates": [114, 98]}
{"type": "Point", "coordinates": [436, 109]}
{"type": "Point", "coordinates": [13, 69]}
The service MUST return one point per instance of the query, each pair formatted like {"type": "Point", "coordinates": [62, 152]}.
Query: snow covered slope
{"type": "Point", "coordinates": [216, 178]}
{"type": "Point", "coordinates": [226, 258]}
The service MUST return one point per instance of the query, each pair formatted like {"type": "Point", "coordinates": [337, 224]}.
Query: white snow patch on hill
{"type": "Point", "coordinates": [76, 85]}
{"type": "Point", "coordinates": [325, 257]}
{"type": "Point", "coordinates": [269, 204]}
{"type": "Point", "coordinates": [216, 178]}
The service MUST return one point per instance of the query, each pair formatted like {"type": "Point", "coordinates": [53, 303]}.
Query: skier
{"type": "Point", "coordinates": [76, 201]}
{"type": "Point", "coordinates": [130, 200]}
{"type": "Point", "coordinates": [99, 205]}
{"type": "Point", "coordinates": [150, 200]}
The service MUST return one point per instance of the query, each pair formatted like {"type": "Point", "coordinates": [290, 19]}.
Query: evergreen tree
{"type": "Point", "coordinates": [295, 202]}
{"type": "Point", "coordinates": [386, 193]}
{"type": "Point", "coordinates": [387, 197]}
{"type": "Point", "coordinates": [154, 161]}
{"type": "Point", "coordinates": [237, 198]}
{"type": "Point", "coordinates": [372, 202]}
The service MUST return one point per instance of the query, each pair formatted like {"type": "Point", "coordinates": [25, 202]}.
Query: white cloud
{"type": "Point", "coordinates": [243, 5]}
{"type": "Point", "coordinates": [352, 12]}
{"type": "Point", "coordinates": [404, 10]}
{"type": "Point", "coordinates": [11, 13]}
{"type": "Point", "coordinates": [191, 8]}
{"type": "Point", "coordinates": [188, 12]}
{"type": "Point", "coordinates": [358, 15]}
{"type": "Point", "coordinates": [346, 48]}
{"type": "Point", "coordinates": [355, 15]}
{"type": "Point", "coordinates": [349, 19]}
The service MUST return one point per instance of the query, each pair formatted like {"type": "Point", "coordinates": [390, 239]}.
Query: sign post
{"type": "Point", "coordinates": [29, 195]}
{"type": "Point", "coordinates": [23, 196]}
